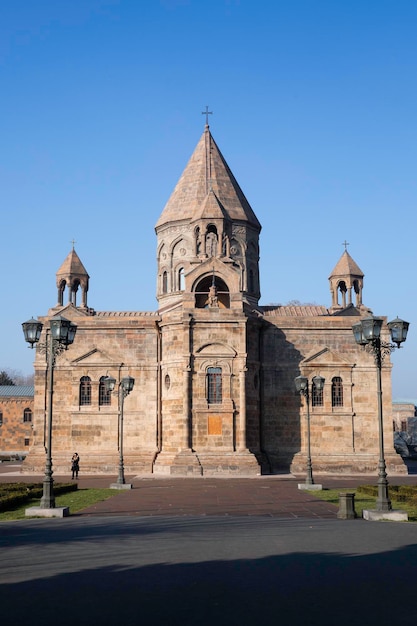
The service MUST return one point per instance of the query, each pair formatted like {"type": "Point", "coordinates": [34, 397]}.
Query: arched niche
{"type": "Point", "coordinates": [212, 292]}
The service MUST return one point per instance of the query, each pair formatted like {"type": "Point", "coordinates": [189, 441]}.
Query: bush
{"type": "Point", "coordinates": [15, 494]}
{"type": "Point", "coordinates": [400, 493]}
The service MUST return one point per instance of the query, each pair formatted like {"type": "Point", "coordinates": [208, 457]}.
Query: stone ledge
{"type": "Point", "coordinates": [121, 486]}
{"type": "Point", "coordinates": [392, 516]}
{"type": "Point", "coordinates": [307, 487]}
{"type": "Point", "coordinates": [37, 511]}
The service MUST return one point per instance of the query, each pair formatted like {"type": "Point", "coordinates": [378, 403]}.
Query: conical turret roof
{"type": "Point", "coordinates": [206, 172]}
{"type": "Point", "coordinates": [72, 266]}
{"type": "Point", "coordinates": [346, 266]}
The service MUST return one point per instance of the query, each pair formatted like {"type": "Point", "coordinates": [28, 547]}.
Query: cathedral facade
{"type": "Point", "coordinates": [214, 370]}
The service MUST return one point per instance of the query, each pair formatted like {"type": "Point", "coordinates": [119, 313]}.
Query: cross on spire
{"type": "Point", "coordinates": [346, 244]}
{"type": "Point", "coordinates": [73, 243]}
{"type": "Point", "coordinates": [207, 113]}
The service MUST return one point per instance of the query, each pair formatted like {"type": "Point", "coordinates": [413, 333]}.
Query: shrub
{"type": "Point", "coordinates": [15, 494]}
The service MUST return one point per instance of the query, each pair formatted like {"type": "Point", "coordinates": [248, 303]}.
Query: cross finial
{"type": "Point", "coordinates": [73, 243]}
{"type": "Point", "coordinates": [207, 113]}
{"type": "Point", "coordinates": [346, 244]}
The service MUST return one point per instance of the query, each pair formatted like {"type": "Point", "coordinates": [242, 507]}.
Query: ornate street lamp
{"type": "Point", "coordinates": [124, 388]}
{"type": "Point", "coordinates": [61, 334]}
{"type": "Point", "coordinates": [302, 386]}
{"type": "Point", "coordinates": [367, 333]}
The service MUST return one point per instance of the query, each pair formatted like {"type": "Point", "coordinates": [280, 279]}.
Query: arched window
{"type": "Point", "coordinates": [164, 282]}
{"type": "Point", "coordinates": [85, 390]}
{"type": "Point", "coordinates": [1, 418]}
{"type": "Point", "coordinates": [202, 293]}
{"type": "Point", "coordinates": [337, 391]}
{"type": "Point", "coordinates": [343, 290]}
{"type": "Point", "coordinates": [27, 415]}
{"type": "Point", "coordinates": [316, 395]}
{"type": "Point", "coordinates": [104, 395]}
{"type": "Point", "coordinates": [214, 385]}
{"type": "Point", "coordinates": [181, 279]}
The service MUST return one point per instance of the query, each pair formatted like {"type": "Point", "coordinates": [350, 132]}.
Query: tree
{"type": "Point", "coordinates": [5, 379]}
{"type": "Point", "coordinates": [9, 376]}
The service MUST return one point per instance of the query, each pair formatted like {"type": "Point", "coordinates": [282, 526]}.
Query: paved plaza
{"type": "Point", "coordinates": [204, 552]}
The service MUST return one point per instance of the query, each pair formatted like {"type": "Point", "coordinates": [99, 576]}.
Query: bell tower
{"type": "Point", "coordinates": [72, 275]}
{"type": "Point", "coordinates": [208, 286]}
{"type": "Point", "coordinates": [208, 236]}
{"type": "Point", "coordinates": [346, 280]}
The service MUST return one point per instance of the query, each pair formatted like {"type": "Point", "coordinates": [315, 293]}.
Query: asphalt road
{"type": "Point", "coordinates": [207, 571]}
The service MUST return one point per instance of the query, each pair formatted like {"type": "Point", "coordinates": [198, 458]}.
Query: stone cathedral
{"type": "Point", "coordinates": [214, 370]}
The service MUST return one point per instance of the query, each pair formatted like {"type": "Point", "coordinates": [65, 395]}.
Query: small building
{"type": "Point", "coordinates": [401, 411]}
{"type": "Point", "coordinates": [16, 415]}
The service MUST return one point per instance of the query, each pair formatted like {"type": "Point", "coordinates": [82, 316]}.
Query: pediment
{"type": "Point", "coordinates": [326, 357]}
{"type": "Point", "coordinates": [216, 350]}
{"type": "Point", "coordinates": [93, 357]}
{"type": "Point", "coordinates": [69, 311]}
{"type": "Point", "coordinates": [224, 270]}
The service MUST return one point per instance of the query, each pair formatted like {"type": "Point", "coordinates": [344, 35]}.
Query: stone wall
{"type": "Point", "coordinates": [16, 435]}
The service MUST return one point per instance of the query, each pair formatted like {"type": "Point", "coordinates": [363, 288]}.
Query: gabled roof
{"type": "Point", "coordinates": [303, 310]}
{"type": "Point", "coordinates": [346, 266]}
{"type": "Point", "coordinates": [206, 172]}
{"type": "Point", "coordinates": [13, 391]}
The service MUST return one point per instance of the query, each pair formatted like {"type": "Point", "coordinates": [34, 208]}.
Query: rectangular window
{"type": "Point", "coordinates": [214, 385]}
{"type": "Point", "coordinates": [27, 441]}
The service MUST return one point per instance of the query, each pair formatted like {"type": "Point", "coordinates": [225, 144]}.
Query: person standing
{"type": "Point", "coordinates": [75, 465]}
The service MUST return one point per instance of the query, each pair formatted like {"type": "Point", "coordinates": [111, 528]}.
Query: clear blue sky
{"type": "Point", "coordinates": [314, 108]}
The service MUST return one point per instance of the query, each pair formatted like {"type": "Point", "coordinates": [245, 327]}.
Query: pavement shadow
{"type": "Point", "coordinates": [306, 589]}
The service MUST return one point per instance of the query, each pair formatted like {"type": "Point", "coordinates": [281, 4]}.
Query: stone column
{"type": "Point", "coordinates": [186, 399]}
{"type": "Point", "coordinates": [242, 410]}
{"type": "Point", "coordinates": [187, 435]}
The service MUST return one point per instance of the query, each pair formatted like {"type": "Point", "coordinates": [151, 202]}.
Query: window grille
{"type": "Point", "coordinates": [214, 385]}
{"type": "Point", "coordinates": [104, 395]}
{"type": "Point", "coordinates": [27, 415]}
{"type": "Point", "coordinates": [337, 391]}
{"type": "Point", "coordinates": [316, 395]}
{"type": "Point", "coordinates": [85, 391]}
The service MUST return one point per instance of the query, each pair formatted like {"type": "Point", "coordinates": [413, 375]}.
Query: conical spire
{"type": "Point", "coordinates": [207, 172]}
{"type": "Point", "coordinates": [72, 266]}
{"type": "Point", "coordinates": [346, 266]}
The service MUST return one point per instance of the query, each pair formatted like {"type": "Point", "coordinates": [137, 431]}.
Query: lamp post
{"type": "Point", "coordinates": [302, 386]}
{"type": "Point", "coordinates": [124, 388]}
{"type": "Point", "coordinates": [367, 333]}
{"type": "Point", "coordinates": [61, 335]}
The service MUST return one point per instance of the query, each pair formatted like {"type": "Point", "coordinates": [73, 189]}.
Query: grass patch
{"type": "Point", "coordinates": [76, 500]}
{"type": "Point", "coordinates": [365, 500]}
